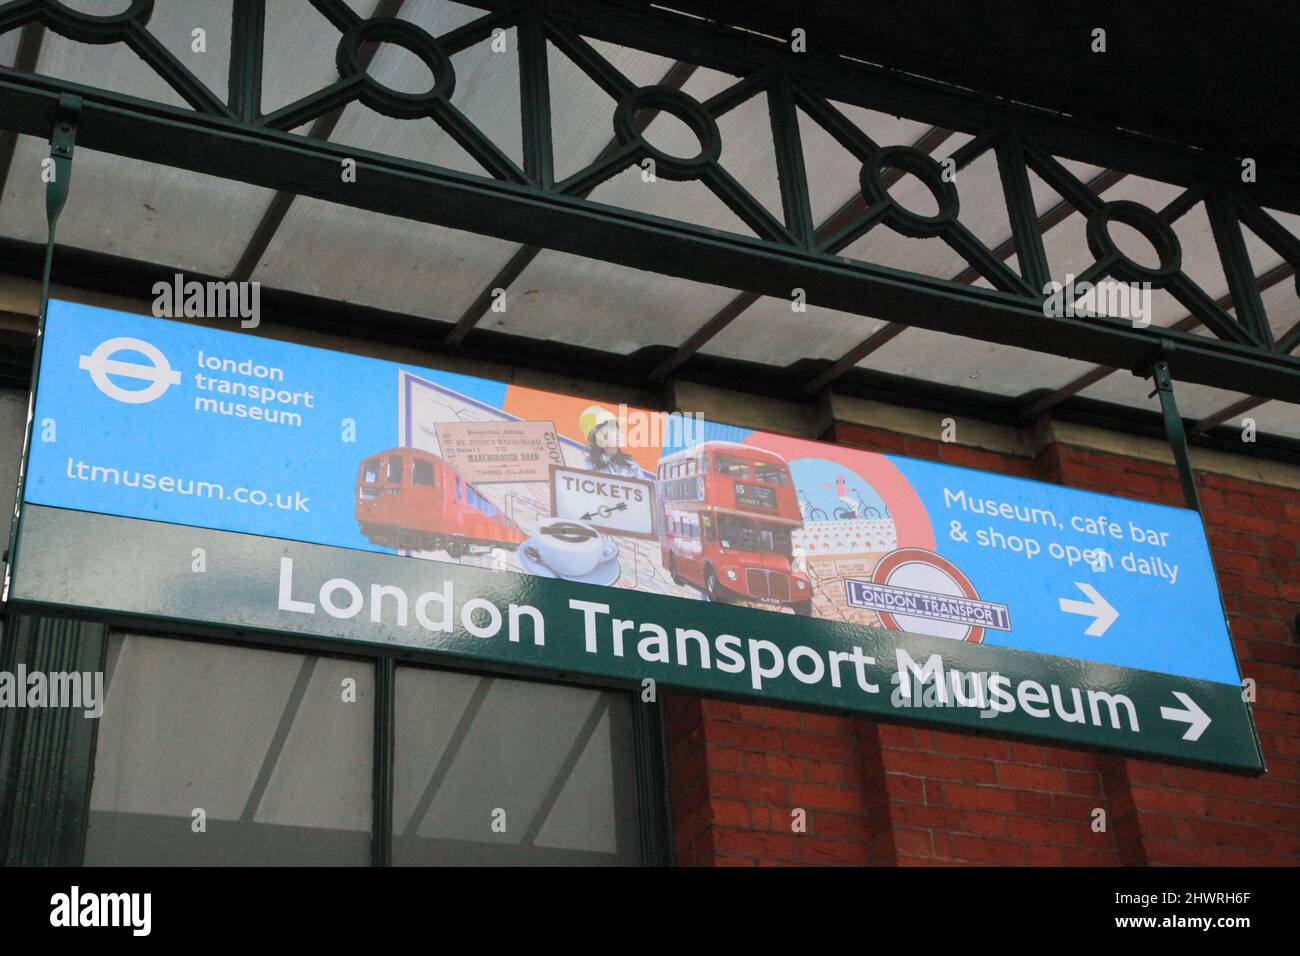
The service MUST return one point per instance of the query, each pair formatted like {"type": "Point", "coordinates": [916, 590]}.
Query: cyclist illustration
{"type": "Point", "coordinates": [865, 510]}
{"type": "Point", "coordinates": [848, 506]}
{"type": "Point", "coordinates": [808, 511]}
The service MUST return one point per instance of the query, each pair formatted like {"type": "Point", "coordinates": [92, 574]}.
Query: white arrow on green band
{"type": "Point", "coordinates": [1192, 715]}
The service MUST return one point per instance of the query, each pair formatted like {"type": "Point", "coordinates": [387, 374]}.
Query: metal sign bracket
{"type": "Point", "coordinates": [1174, 430]}
{"type": "Point", "coordinates": [63, 139]}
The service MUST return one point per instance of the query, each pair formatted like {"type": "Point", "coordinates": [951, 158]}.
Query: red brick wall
{"type": "Point", "coordinates": [895, 794]}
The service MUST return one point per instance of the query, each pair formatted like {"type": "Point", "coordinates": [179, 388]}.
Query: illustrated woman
{"type": "Point", "coordinates": [604, 451]}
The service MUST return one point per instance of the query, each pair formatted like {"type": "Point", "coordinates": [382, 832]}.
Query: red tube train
{"type": "Point", "coordinates": [412, 500]}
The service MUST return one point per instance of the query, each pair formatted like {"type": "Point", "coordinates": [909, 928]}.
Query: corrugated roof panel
{"type": "Point", "coordinates": [930, 256]}
{"type": "Point", "coordinates": [1067, 245]}
{"type": "Point", "coordinates": [691, 201]}
{"type": "Point", "coordinates": [386, 262]}
{"type": "Point", "coordinates": [298, 55]}
{"type": "Point", "coordinates": [1045, 197]}
{"type": "Point", "coordinates": [769, 331]}
{"type": "Point", "coordinates": [420, 140]}
{"type": "Point", "coordinates": [1272, 418]}
{"type": "Point", "coordinates": [1194, 401]}
{"type": "Point", "coordinates": [582, 114]}
{"type": "Point", "coordinates": [984, 366]}
{"type": "Point", "coordinates": [1263, 256]}
{"type": "Point", "coordinates": [983, 203]}
{"type": "Point", "coordinates": [1282, 306]}
{"type": "Point", "coordinates": [601, 305]}
{"type": "Point", "coordinates": [9, 47]}
{"type": "Point", "coordinates": [832, 169]}
{"type": "Point", "coordinates": [137, 210]}
{"type": "Point", "coordinates": [1203, 265]}
{"type": "Point", "coordinates": [748, 152]}
{"type": "Point", "coordinates": [487, 92]}
{"type": "Point", "coordinates": [115, 67]}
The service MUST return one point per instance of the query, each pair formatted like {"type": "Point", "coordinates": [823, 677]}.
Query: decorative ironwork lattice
{"type": "Point", "coordinates": [1241, 352]}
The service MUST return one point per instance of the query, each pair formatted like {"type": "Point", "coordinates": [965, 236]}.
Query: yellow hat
{"type": "Point", "coordinates": [593, 418]}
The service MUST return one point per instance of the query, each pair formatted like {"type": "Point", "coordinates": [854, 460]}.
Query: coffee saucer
{"type": "Point", "coordinates": [606, 572]}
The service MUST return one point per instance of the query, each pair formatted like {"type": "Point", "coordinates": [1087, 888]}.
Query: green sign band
{"type": "Point", "coordinates": [75, 560]}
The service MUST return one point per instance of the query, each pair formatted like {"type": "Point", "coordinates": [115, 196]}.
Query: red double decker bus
{"type": "Point", "coordinates": [413, 500]}
{"type": "Point", "coordinates": [727, 512]}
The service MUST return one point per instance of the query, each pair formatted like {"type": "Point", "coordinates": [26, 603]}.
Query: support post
{"type": "Point", "coordinates": [381, 845]}
{"type": "Point", "coordinates": [47, 753]}
{"type": "Point", "coordinates": [248, 27]}
{"type": "Point", "coordinates": [535, 99]}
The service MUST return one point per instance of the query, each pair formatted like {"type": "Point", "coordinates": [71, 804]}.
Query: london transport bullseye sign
{"type": "Point", "coordinates": [224, 479]}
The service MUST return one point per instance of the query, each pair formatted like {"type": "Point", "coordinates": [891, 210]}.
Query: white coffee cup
{"type": "Point", "coordinates": [572, 548]}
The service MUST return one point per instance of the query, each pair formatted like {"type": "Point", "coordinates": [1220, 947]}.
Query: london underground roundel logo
{"type": "Point", "coordinates": [923, 571]}
{"type": "Point", "coordinates": [101, 364]}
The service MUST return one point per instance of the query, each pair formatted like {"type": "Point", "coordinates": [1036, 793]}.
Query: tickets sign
{"type": "Point", "coordinates": [832, 551]}
{"type": "Point", "coordinates": [622, 506]}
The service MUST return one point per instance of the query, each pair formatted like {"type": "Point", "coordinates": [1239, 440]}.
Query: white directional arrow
{"type": "Point", "coordinates": [1096, 607]}
{"type": "Point", "coordinates": [1192, 715]}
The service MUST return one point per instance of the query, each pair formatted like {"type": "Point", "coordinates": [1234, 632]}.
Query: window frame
{"type": "Point", "coordinates": [770, 469]}
{"type": "Point", "coordinates": [731, 461]}
{"type": "Point", "coordinates": [421, 464]}
{"type": "Point", "coordinates": [649, 744]}
{"type": "Point", "coordinates": [743, 525]}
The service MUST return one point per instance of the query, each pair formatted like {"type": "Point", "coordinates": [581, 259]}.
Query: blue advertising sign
{"type": "Point", "coordinates": [158, 420]}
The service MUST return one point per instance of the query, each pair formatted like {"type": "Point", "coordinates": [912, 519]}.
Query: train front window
{"type": "Point", "coordinates": [770, 472]}
{"type": "Point", "coordinates": [738, 534]}
{"type": "Point", "coordinates": [395, 463]}
{"type": "Point", "coordinates": [730, 466]}
{"type": "Point", "coordinates": [421, 472]}
{"type": "Point", "coordinates": [371, 474]}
